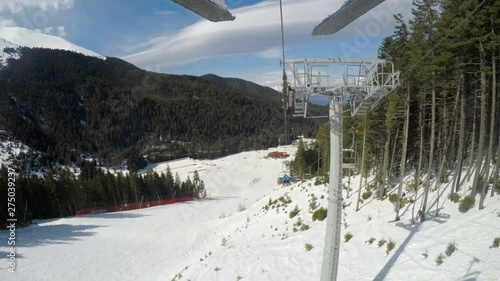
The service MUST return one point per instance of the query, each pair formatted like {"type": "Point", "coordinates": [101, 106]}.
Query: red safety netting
{"type": "Point", "coordinates": [133, 206]}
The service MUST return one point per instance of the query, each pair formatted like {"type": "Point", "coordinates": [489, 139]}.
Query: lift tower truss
{"type": "Point", "coordinates": [363, 83]}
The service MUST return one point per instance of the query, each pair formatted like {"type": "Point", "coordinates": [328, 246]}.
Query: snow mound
{"type": "Point", "coordinates": [33, 39]}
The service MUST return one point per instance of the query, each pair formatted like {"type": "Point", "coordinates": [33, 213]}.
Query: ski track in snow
{"type": "Point", "coordinates": [160, 242]}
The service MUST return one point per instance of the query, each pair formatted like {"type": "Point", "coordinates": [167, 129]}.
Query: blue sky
{"type": "Point", "coordinates": [161, 36]}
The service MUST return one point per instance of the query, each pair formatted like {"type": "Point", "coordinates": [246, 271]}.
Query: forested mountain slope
{"type": "Point", "coordinates": [64, 103]}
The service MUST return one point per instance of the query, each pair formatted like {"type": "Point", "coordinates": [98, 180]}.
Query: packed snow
{"type": "Point", "coordinates": [231, 236]}
{"type": "Point", "coordinates": [33, 39]}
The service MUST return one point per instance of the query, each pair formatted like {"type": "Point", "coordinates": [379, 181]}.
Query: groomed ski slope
{"type": "Point", "coordinates": [230, 236]}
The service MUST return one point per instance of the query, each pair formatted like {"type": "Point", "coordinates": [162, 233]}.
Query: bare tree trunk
{"type": "Point", "coordinates": [430, 168]}
{"type": "Point", "coordinates": [402, 168]}
{"type": "Point", "coordinates": [385, 167]}
{"type": "Point", "coordinates": [492, 134]}
{"type": "Point", "coordinates": [348, 183]}
{"type": "Point", "coordinates": [497, 167]}
{"type": "Point", "coordinates": [391, 166]}
{"type": "Point", "coordinates": [362, 166]}
{"type": "Point", "coordinates": [473, 142]}
{"type": "Point", "coordinates": [482, 127]}
{"type": "Point", "coordinates": [420, 156]}
{"type": "Point", "coordinates": [460, 160]}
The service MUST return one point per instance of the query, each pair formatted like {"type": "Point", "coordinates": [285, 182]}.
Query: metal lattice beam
{"type": "Point", "coordinates": [349, 12]}
{"type": "Point", "coordinates": [364, 82]}
{"type": "Point", "coordinates": [207, 9]}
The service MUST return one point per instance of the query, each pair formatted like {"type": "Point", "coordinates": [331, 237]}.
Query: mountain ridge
{"type": "Point", "coordinates": [32, 39]}
{"type": "Point", "coordinates": [240, 84]}
{"type": "Point", "coordinates": [64, 104]}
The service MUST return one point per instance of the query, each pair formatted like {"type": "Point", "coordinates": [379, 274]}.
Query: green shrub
{"type": "Point", "coordinates": [496, 243]}
{"type": "Point", "coordinates": [412, 186]}
{"type": "Point", "coordinates": [304, 227]}
{"type": "Point", "coordinates": [390, 246]}
{"type": "Point", "coordinates": [450, 249]}
{"type": "Point", "coordinates": [370, 241]}
{"type": "Point", "coordinates": [347, 237]}
{"type": "Point", "coordinates": [381, 243]}
{"type": "Point", "coordinates": [497, 185]}
{"type": "Point", "coordinates": [313, 205]}
{"type": "Point", "coordinates": [480, 184]}
{"type": "Point", "coordinates": [466, 204]}
{"type": "Point", "coordinates": [294, 212]}
{"type": "Point", "coordinates": [454, 197]}
{"type": "Point", "coordinates": [320, 214]}
{"type": "Point", "coordinates": [366, 194]}
{"type": "Point", "coordinates": [309, 247]}
{"type": "Point", "coordinates": [439, 259]}
{"type": "Point", "coordinates": [393, 198]}
{"type": "Point", "coordinates": [444, 178]}
{"type": "Point", "coordinates": [425, 255]}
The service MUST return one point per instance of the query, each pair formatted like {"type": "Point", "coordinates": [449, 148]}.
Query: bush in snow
{"type": "Point", "coordinates": [454, 197]}
{"type": "Point", "coordinates": [320, 214]}
{"type": "Point", "coordinates": [304, 227]}
{"type": "Point", "coordinates": [309, 247]}
{"type": "Point", "coordinates": [426, 254]}
{"type": "Point", "coordinates": [381, 243]}
{"type": "Point", "coordinates": [294, 212]}
{"type": "Point", "coordinates": [313, 203]}
{"type": "Point", "coordinates": [439, 259]}
{"type": "Point", "coordinates": [450, 249]}
{"type": "Point", "coordinates": [466, 204]}
{"type": "Point", "coordinates": [496, 184]}
{"type": "Point", "coordinates": [366, 195]}
{"type": "Point", "coordinates": [347, 237]}
{"type": "Point", "coordinates": [496, 243]}
{"type": "Point", "coordinates": [389, 247]}
{"type": "Point", "coordinates": [370, 241]}
{"type": "Point", "coordinates": [393, 198]}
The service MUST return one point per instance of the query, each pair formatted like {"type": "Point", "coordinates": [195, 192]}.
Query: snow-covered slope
{"type": "Point", "coordinates": [33, 39]}
{"type": "Point", "coordinates": [7, 50]}
{"type": "Point", "coordinates": [243, 231]}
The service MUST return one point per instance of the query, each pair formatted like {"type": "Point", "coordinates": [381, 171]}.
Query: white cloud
{"type": "Point", "coordinates": [57, 31]}
{"type": "Point", "coordinates": [273, 53]}
{"type": "Point", "coordinates": [46, 30]}
{"type": "Point", "coordinates": [34, 14]}
{"type": "Point", "coordinates": [6, 22]}
{"type": "Point", "coordinates": [61, 31]}
{"type": "Point", "coordinates": [256, 30]}
{"type": "Point", "coordinates": [15, 6]}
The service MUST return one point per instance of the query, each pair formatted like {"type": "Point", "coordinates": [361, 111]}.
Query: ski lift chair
{"type": "Point", "coordinates": [208, 9]}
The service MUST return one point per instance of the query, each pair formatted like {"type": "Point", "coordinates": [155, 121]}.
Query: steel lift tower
{"type": "Point", "coordinates": [364, 83]}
